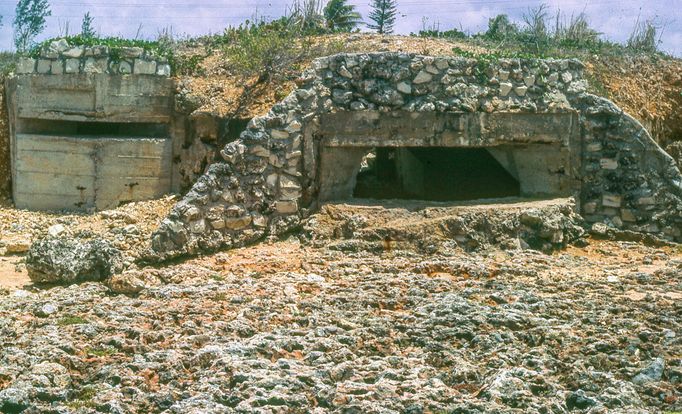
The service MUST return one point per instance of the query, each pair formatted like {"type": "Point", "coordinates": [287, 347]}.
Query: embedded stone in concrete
{"type": "Point", "coordinates": [72, 66]}
{"type": "Point", "coordinates": [610, 200]}
{"type": "Point", "coordinates": [345, 72]}
{"type": "Point", "coordinates": [521, 90]}
{"type": "Point", "coordinates": [608, 163]}
{"type": "Point", "coordinates": [44, 66]}
{"type": "Point", "coordinates": [143, 67]}
{"type": "Point", "coordinates": [404, 87]}
{"type": "Point", "coordinates": [279, 134]}
{"type": "Point", "coordinates": [163, 70]}
{"type": "Point", "coordinates": [286, 207]}
{"type": "Point", "coordinates": [131, 52]}
{"type": "Point", "coordinates": [422, 77]}
{"type": "Point", "coordinates": [125, 68]}
{"type": "Point", "coordinates": [59, 45]}
{"type": "Point", "coordinates": [97, 51]}
{"type": "Point", "coordinates": [505, 88]}
{"type": "Point", "coordinates": [25, 65]}
{"type": "Point", "coordinates": [238, 223]}
{"type": "Point", "coordinates": [93, 65]}
{"type": "Point", "coordinates": [74, 52]}
{"type": "Point", "coordinates": [57, 67]}
{"type": "Point", "coordinates": [628, 215]}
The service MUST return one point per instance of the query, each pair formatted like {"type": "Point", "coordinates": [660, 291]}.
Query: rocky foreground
{"type": "Point", "coordinates": [282, 327]}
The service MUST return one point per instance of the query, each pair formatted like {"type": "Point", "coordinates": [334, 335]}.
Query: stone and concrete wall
{"type": "Point", "coordinates": [269, 178]}
{"type": "Point", "coordinates": [87, 132]}
{"type": "Point", "coordinates": [60, 58]}
{"type": "Point", "coordinates": [127, 86]}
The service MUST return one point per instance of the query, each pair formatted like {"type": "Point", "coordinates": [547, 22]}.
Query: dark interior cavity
{"type": "Point", "coordinates": [95, 129]}
{"type": "Point", "coordinates": [434, 174]}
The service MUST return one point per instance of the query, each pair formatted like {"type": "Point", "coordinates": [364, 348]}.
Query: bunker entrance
{"type": "Point", "coordinates": [433, 174]}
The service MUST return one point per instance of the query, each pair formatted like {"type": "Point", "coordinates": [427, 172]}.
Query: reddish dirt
{"type": "Point", "coordinates": [13, 274]}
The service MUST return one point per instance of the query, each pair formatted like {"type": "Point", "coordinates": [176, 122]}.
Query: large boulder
{"type": "Point", "coordinates": [63, 260]}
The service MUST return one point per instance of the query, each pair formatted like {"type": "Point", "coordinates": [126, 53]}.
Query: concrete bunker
{"type": "Point", "coordinates": [534, 117]}
{"type": "Point", "coordinates": [445, 157]}
{"type": "Point", "coordinates": [92, 138]}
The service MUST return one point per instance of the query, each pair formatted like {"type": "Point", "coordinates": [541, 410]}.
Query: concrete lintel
{"type": "Point", "coordinates": [450, 129]}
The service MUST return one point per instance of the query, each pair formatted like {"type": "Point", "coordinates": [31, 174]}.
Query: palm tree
{"type": "Point", "coordinates": [341, 17]}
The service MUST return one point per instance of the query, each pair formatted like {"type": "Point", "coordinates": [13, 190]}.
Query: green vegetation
{"type": "Point", "coordinates": [270, 51]}
{"type": "Point", "coordinates": [643, 37]}
{"type": "Point", "coordinates": [87, 31]}
{"type": "Point", "coordinates": [263, 50]}
{"type": "Point", "coordinates": [540, 34]}
{"type": "Point", "coordinates": [340, 16]}
{"type": "Point", "coordinates": [71, 320]}
{"type": "Point", "coordinates": [383, 15]}
{"type": "Point", "coordinates": [276, 50]}
{"type": "Point", "coordinates": [8, 61]}
{"type": "Point", "coordinates": [83, 398]}
{"type": "Point", "coordinates": [29, 21]}
{"type": "Point", "coordinates": [447, 34]}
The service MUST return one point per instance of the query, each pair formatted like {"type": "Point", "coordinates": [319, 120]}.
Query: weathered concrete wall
{"type": "Point", "coordinates": [269, 178]}
{"type": "Point", "coordinates": [89, 139]}
{"type": "Point", "coordinates": [94, 97]}
{"type": "Point", "coordinates": [67, 173]}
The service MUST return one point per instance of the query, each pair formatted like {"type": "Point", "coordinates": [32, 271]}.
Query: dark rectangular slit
{"type": "Point", "coordinates": [92, 129]}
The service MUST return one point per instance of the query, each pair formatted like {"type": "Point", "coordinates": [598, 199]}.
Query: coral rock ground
{"type": "Point", "coordinates": [290, 327]}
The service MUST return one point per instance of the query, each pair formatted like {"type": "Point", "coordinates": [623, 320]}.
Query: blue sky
{"type": "Point", "coordinates": [614, 18]}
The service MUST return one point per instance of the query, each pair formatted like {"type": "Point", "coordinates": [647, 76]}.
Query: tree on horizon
{"type": "Point", "coordinates": [383, 15]}
{"type": "Point", "coordinates": [340, 16]}
{"type": "Point", "coordinates": [87, 30]}
{"type": "Point", "coordinates": [29, 22]}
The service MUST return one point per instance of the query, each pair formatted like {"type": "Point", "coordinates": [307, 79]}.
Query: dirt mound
{"type": "Point", "coordinates": [646, 87]}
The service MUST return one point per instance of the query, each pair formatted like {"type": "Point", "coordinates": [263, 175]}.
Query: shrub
{"type": "Point", "coordinates": [500, 28]}
{"type": "Point", "coordinates": [434, 31]}
{"type": "Point", "coordinates": [263, 49]}
{"type": "Point", "coordinates": [8, 62]}
{"type": "Point", "coordinates": [535, 36]}
{"type": "Point", "coordinates": [643, 37]}
{"type": "Point", "coordinates": [576, 33]}
{"type": "Point", "coordinates": [306, 17]}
